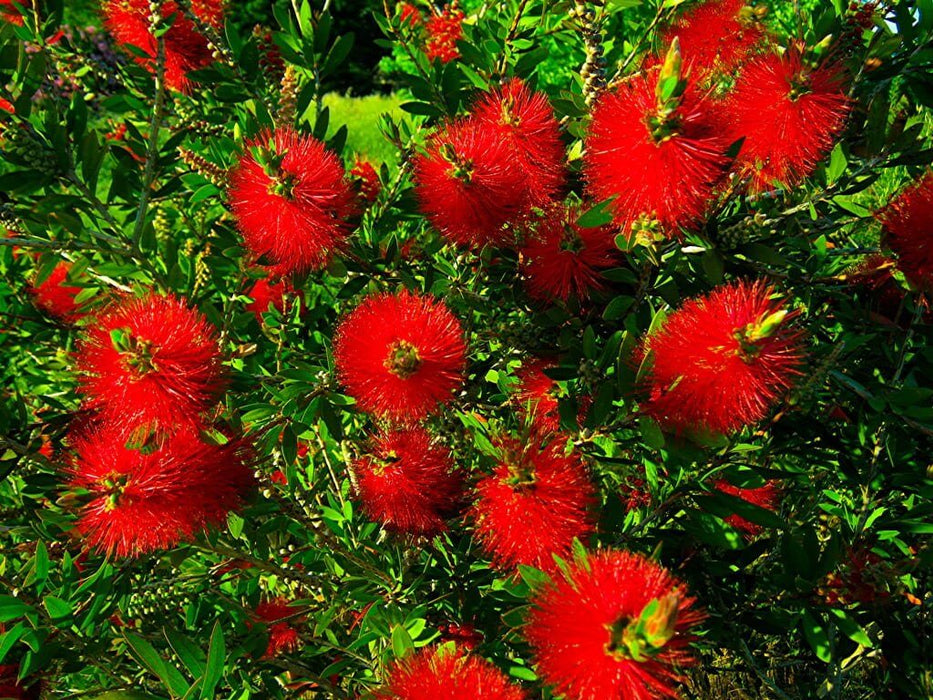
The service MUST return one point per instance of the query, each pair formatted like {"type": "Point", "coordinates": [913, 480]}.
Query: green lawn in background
{"type": "Point", "coordinates": [361, 116]}
{"type": "Point", "coordinates": [81, 13]}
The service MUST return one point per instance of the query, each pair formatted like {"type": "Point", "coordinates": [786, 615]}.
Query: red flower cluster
{"type": "Point", "coordinates": [279, 617]}
{"type": "Point", "coordinates": [291, 201]}
{"type": "Point", "coordinates": [562, 260]}
{"type": "Point", "coordinates": [267, 293]}
{"type": "Point", "coordinates": [767, 497]}
{"type": "Point", "coordinates": [56, 297]}
{"type": "Point", "coordinates": [863, 577]}
{"type": "Point", "coordinates": [400, 356]}
{"type": "Point", "coordinates": [141, 502]}
{"type": "Point", "coordinates": [659, 157]}
{"type": "Point", "coordinates": [789, 114]}
{"type": "Point", "coordinates": [10, 686]}
{"type": "Point", "coordinates": [525, 120]}
{"type": "Point", "coordinates": [9, 13]}
{"type": "Point", "coordinates": [186, 49]}
{"type": "Point", "coordinates": [444, 31]}
{"type": "Point", "coordinates": [408, 483]}
{"type": "Point", "coordinates": [721, 361]}
{"type": "Point", "coordinates": [444, 673]}
{"type": "Point", "coordinates": [150, 362]}
{"type": "Point", "coordinates": [907, 224]}
{"type": "Point", "coordinates": [366, 179]}
{"type": "Point", "coordinates": [716, 35]}
{"type": "Point", "coordinates": [616, 627]}
{"type": "Point", "coordinates": [536, 501]}
{"type": "Point", "coordinates": [537, 396]}
{"type": "Point", "coordinates": [481, 174]}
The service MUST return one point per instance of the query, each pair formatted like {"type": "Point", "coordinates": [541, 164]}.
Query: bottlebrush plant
{"type": "Point", "coordinates": [612, 383]}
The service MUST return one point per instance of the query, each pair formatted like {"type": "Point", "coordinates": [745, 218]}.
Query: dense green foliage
{"type": "Point", "coordinates": [850, 445]}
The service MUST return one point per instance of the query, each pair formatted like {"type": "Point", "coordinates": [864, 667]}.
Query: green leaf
{"type": "Point", "coordinates": [535, 578]}
{"type": "Point", "coordinates": [146, 654]}
{"type": "Point", "coordinates": [598, 215]}
{"type": "Point", "coordinates": [817, 637]}
{"type": "Point", "coordinates": [11, 608]}
{"type": "Point", "coordinates": [58, 608]}
{"type": "Point", "coordinates": [402, 643]}
{"type": "Point", "coordinates": [851, 628]}
{"type": "Point", "coordinates": [216, 656]}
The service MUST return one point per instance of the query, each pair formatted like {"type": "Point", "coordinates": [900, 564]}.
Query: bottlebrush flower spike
{"type": "Point", "coordinates": [616, 627]}
{"type": "Point", "coordinates": [907, 223]}
{"type": "Point", "coordinates": [150, 362]}
{"type": "Point", "coordinates": [721, 361]}
{"type": "Point", "coordinates": [525, 119]}
{"type": "Point", "coordinates": [366, 179]}
{"type": "Point", "coordinates": [790, 115]}
{"type": "Point", "coordinates": [10, 686]}
{"type": "Point", "coordinates": [717, 35]}
{"type": "Point", "coordinates": [143, 502]}
{"type": "Point", "coordinates": [291, 201]}
{"type": "Point", "coordinates": [444, 31]}
{"type": "Point", "coordinates": [408, 483]}
{"type": "Point", "coordinates": [657, 147]}
{"type": "Point", "coordinates": [10, 13]}
{"type": "Point", "coordinates": [446, 673]}
{"type": "Point", "coordinates": [280, 619]}
{"type": "Point", "coordinates": [400, 356]}
{"type": "Point", "coordinates": [186, 49]}
{"type": "Point", "coordinates": [534, 504]}
{"type": "Point", "coordinates": [562, 260]}
{"type": "Point", "coordinates": [267, 293]}
{"type": "Point", "coordinates": [56, 297]}
{"type": "Point", "coordinates": [767, 497]}
{"type": "Point", "coordinates": [538, 395]}
{"type": "Point", "coordinates": [469, 184]}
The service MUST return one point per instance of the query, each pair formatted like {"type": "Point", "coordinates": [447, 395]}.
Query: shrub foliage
{"type": "Point", "coordinates": [612, 383]}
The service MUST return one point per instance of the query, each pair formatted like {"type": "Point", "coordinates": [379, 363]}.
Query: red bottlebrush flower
{"type": "Point", "coordinates": [118, 133]}
{"type": "Point", "coordinates": [532, 506]}
{"type": "Point", "coordinates": [9, 13]}
{"type": "Point", "coordinates": [291, 201]}
{"type": "Point", "coordinates": [186, 49]}
{"type": "Point", "coordinates": [789, 114]}
{"type": "Point", "coordinates": [537, 394]}
{"type": "Point", "coordinates": [56, 297]}
{"type": "Point", "coordinates": [767, 497]}
{"type": "Point", "coordinates": [721, 361]}
{"type": "Point", "coordinates": [464, 635]}
{"type": "Point", "coordinates": [635, 494]}
{"type": "Point", "coordinates": [10, 686]}
{"type": "Point", "coordinates": [716, 35]}
{"type": "Point", "coordinates": [144, 502]}
{"type": "Point", "coordinates": [441, 673]}
{"type": "Point", "coordinates": [444, 31]}
{"type": "Point", "coordinates": [874, 275]}
{"type": "Point", "coordinates": [907, 224]}
{"type": "Point", "coordinates": [863, 577]}
{"type": "Point", "coordinates": [407, 483]}
{"type": "Point", "coordinates": [594, 633]}
{"type": "Point", "coordinates": [470, 185]}
{"type": "Point", "coordinates": [280, 618]}
{"type": "Point", "coordinates": [267, 294]}
{"type": "Point", "coordinates": [659, 169]}
{"type": "Point", "coordinates": [366, 179]}
{"type": "Point", "coordinates": [562, 260]}
{"type": "Point", "coordinates": [150, 362]}
{"type": "Point", "coordinates": [400, 356]}
{"type": "Point", "coordinates": [409, 14]}
{"type": "Point", "coordinates": [526, 120]}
